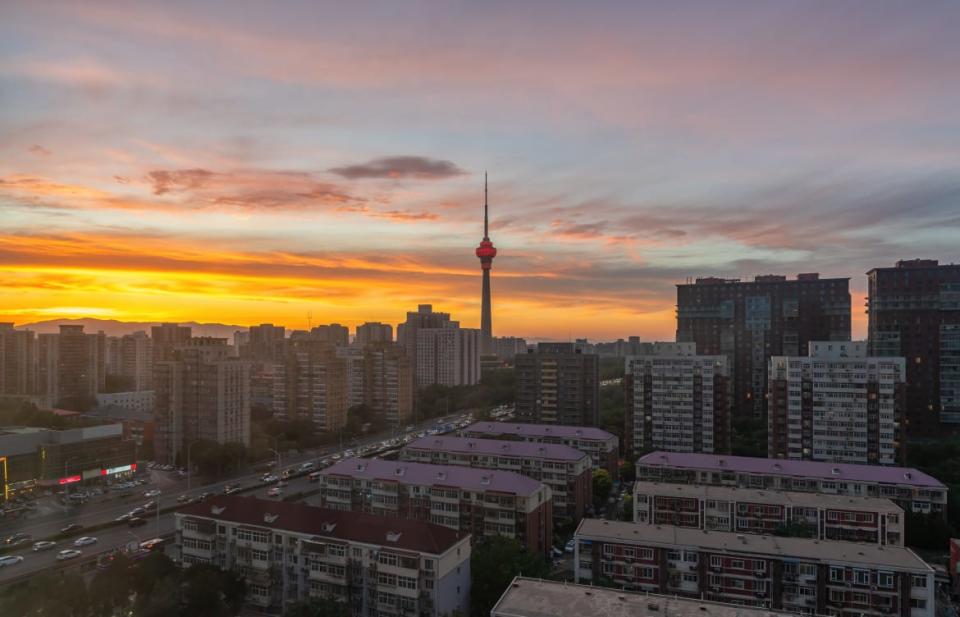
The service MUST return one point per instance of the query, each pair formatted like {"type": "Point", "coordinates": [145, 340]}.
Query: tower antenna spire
{"type": "Point", "coordinates": [485, 226]}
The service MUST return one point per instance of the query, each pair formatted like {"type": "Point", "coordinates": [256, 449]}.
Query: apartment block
{"type": "Point", "coordinates": [311, 384]}
{"type": "Point", "coordinates": [602, 446]}
{"type": "Point", "coordinates": [135, 356]}
{"type": "Point", "coordinates": [750, 321]}
{"type": "Point", "coordinates": [676, 400]}
{"type": "Point", "coordinates": [373, 332]}
{"type": "Point", "coordinates": [557, 384]}
{"type": "Point", "coordinates": [800, 575]}
{"type": "Point", "coordinates": [18, 361]}
{"type": "Point", "coordinates": [80, 367]}
{"type": "Point", "coordinates": [836, 405]}
{"type": "Point", "coordinates": [914, 312]}
{"type": "Point", "coordinates": [441, 351]}
{"type": "Point", "coordinates": [388, 382]}
{"type": "Point", "coordinates": [479, 502]}
{"type": "Point", "coordinates": [290, 552]}
{"type": "Point", "coordinates": [746, 510]}
{"type": "Point", "coordinates": [909, 488]}
{"type": "Point", "coordinates": [167, 338]}
{"type": "Point", "coordinates": [566, 471]}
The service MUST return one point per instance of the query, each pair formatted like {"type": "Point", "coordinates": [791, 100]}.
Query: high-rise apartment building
{"type": "Point", "coordinates": [914, 312]}
{"type": "Point", "coordinates": [751, 321]}
{"type": "Point", "coordinates": [388, 383]}
{"type": "Point", "coordinates": [168, 337]}
{"type": "Point", "coordinates": [373, 332]}
{"type": "Point", "coordinates": [556, 384]}
{"type": "Point", "coordinates": [265, 343]}
{"type": "Point", "coordinates": [836, 404]}
{"type": "Point", "coordinates": [352, 357]}
{"type": "Point", "coordinates": [136, 360]}
{"type": "Point", "coordinates": [202, 393]}
{"type": "Point", "coordinates": [48, 352]}
{"type": "Point", "coordinates": [18, 361]}
{"type": "Point", "coordinates": [676, 400]}
{"type": "Point", "coordinates": [334, 333]}
{"type": "Point", "coordinates": [311, 384]}
{"type": "Point", "coordinates": [506, 348]}
{"type": "Point", "coordinates": [81, 367]}
{"type": "Point", "coordinates": [442, 352]}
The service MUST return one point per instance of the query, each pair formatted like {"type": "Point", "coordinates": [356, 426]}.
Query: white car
{"type": "Point", "coordinates": [10, 560]}
{"type": "Point", "coordinates": [275, 492]}
{"type": "Point", "coordinates": [43, 545]}
{"type": "Point", "coordinates": [85, 541]}
{"type": "Point", "coordinates": [151, 494]}
{"type": "Point", "coordinates": [69, 553]}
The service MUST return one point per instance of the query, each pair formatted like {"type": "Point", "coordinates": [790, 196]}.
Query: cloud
{"type": "Point", "coordinates": [180, 180]}
{"type": "Point", "coordinates": [39, 150]}
{"type": "Point", "coordinates": [418, 167]}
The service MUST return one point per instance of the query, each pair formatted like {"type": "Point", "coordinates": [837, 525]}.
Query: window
{"type": "Point", "coordinates": [690, 556]}
{"type": "Point", "coordinates": [861, 577]}
{"type": "Point", "coordinates": [915, 603]}
{"type": "Point", "coordinates": [645, 553]}
{"type": "Point", "coordinates": [837, 575]}
{"type": "Point", "coordinates": [885, 579]}
{"type": "Point", "coordinates": [689, 577]}
{"type": "Point", "coordinates": [737, 564]}
{"type": "Point", "coordinates": [919, 580]}
{"type": "Point", "coordinates": [716, 561]}
{"type": "Point", "coordinates": [388, 559]}
{"type": "Point", "coordinates": [406, 582]}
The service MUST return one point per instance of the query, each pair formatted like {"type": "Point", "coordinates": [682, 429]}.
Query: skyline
{"type": "Point", "coordinates": [255, 165]}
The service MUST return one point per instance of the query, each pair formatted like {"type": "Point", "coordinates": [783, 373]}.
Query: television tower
{"type": "Point", "coordinates": [486, 252]}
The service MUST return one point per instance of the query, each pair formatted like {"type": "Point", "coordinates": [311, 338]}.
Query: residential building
{"type": "Point", "coordinates": [747, 510]}
{"type": "Point", "coordinates": [836, 405]}
{"type": "Point", "coordinates": [603, 447]}
{"type": "Point", "coordinates": [914, 312]}
{"type": "Point", "coordinates": [529, 597]}
{"type": "Point", "coordinates": [48, 353]}
{"type": "Point", "coordinates": [911, 489]}
{"type": "Point", "coordinates": [750, 321]}
{"type": "Point", "coordinates": [139, 402]}
{"type": "Point", "coordinates": [566, 471]}
{"type": "Point", "coordinates": [135, 355]}
{"type": "Point", "coordinates": [311, 384]}
{"type": "Point", "coordinates": [676, 400]}
{"type": "Point", "coordinates": [373, 332]}
{"type": "Point", "coordinates": [801, 575]}
{"type": "Point", "coordinates": [441, 351]}
{"type": "Point", "coordinates": [556, 384]}
{"type": "Point", "coordinates": [506, 348]}
{"type": "Point", "coordinates": [81, 368]}
{"type": "Point", "coordinates": [354, 368]}
{"type": "Point", "coordinates": [388, 382]}
{"type": "Point", "coordinates": [290, 552]}
{"type": "Point", "coordinates": [334, 333]}
{"type": "Point", "coordinates": [479, 502]}
{"type": "Point", "coordinates": [201, 393]}
{"type": "Point", "coordinates": [265, 344]}
{"type": "Point", "coordinates": [18, 361]}
{"type": "Point", "coordinates": [167, 338]}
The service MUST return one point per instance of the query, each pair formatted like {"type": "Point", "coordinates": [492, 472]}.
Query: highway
{"type": "Point", "coordinates": [121, 534]}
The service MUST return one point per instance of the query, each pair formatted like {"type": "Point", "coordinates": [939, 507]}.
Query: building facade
{"type": "Point", "coordinates": [81, 367]}
{"type": "Point", "coordinates": [135, 356]}
{"type": "Point", "coordinates": [911, 489]}
{"type": "Point", "coordinates": [479, 502]}
{"type": "Point", "coordinates": [914, 312]}
{"type": "Point", "coordinates": [388, 382]}
{"type": "Point", "coordinates": [289, 552]}
{"type": "Point", "coordinates": [556, 384]}
{"type": "Point", "coordinates": [441, 351]}
{"type": "Point", "coordinates": [312, 384]}
{"type": "Point", "coordinates": [750, 321]}
{"type": "Point", "coordinates": [167, 338]}
{"type": "Point", "coordinates": [800, 575]}
{"type": "Point", "coordinates": [603, 447]}
{"type": "Point", "coordinates": [566, 471]}
{"type": "Point", "coordinates": [18, 361]}
{"type": "Point", "coordinates": [836, 405]}
{"type": "Point", "coordinates": [676, 400]}
{"type": "Point", "coordinates": [745, 510]}
{"type": "Point", "coordinates": [373, 332]}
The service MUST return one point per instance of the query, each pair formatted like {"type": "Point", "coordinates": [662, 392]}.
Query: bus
{"type": "Point", "coordinates": [153, 545]}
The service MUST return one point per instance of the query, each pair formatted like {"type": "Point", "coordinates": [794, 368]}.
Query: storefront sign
{"type": "Point", "coordinates": [120, 469]}
{"type": "Point", "coordinates": [69, 480]}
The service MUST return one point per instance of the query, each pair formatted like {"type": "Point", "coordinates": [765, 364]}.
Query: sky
{"type": "Point", "coordinates": [295, 162]}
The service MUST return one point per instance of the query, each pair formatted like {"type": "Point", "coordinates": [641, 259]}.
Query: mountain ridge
{"type": "Point", "coordinates": [115, 327]}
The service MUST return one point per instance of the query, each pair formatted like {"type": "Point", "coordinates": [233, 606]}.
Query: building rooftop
{"type": "Point", "coordinates": [539, 430]}
{"type": "Point", "coordinates": [800, 469]}
{"type": "Point", "coordinates": [731, 542]}
{"type": "Point", "coordinates": [467, 478]}
{"type": "Point", "coordinates": [386, 531]}
{"type": "Point", "coordinates": [527, 597]}
{"type": "Point", "coordinates": [525, 449]}
{"type": "Point", "coordinates": [790, 498]}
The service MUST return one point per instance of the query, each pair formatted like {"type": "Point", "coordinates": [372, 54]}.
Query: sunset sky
{"type": "Point", "coordinates": [253, 162]}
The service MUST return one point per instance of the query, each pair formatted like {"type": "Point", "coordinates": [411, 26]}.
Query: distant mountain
{"type": "Point", "coordinates": [112, 327]}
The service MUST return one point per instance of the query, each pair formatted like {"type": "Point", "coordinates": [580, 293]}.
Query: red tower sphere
{"type": "Point", "coordinates": [486, 252]}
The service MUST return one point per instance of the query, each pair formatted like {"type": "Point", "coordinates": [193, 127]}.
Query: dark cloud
{"type": "Point", "coordinates": [419, 167]}
{"type": "Point", "coordinates": [39, 150]}
{"type": "Point", "coordinates": [164, 181]}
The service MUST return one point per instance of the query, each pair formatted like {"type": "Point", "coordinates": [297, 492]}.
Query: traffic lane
{"type": "Point", "coordinates": [107, 539]}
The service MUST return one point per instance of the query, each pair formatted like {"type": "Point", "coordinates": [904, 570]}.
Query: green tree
{"type": "Point", "coordinates": [611, 409]}
{"type": "Point", "coordinates": [494, 563]}
{"type": "Point", "coordinates": [318, 607]}
{"type": "Point", "coordinates": [628, 471]}
{"type": "Point", "coordinates": [749, 437]}
{"type": "Point", "coordinates": [602, 485]}
{"type": "Point", "coordinates": [626, 513]}
{"type": "Point", "coordinates": [162, 601]}
{"type": "Point", "coordinates": [110, 589]}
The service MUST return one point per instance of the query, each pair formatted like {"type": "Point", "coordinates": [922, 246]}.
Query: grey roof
{"type": "Point", "coordinates": [467, 478]}
{"type": "Point", "coordinates": [525, 449]}
{"type": "Point", "coordinates": [827, 551]}
{"type": "Point", "coordinates": [792, 498]}
{"type": "Point", "coordinates": [783, 467]}
{"type": "Point", "coordinates": [540, 430]}
{"type": "Point", "coordinates": [527, 597]}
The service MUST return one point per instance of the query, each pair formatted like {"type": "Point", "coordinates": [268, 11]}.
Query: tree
{"type": "Point", "coordinates": [602, 485]}
{"type": "Point", "coordinates": [612, 409]}
{"type": "Point", "coordinates": [494, 563]}
{"type": "Point", "coordinates": [318, 607]}
{"type": "Point", "coordinates": [749, 437]}
{"type": "Point", "coordinates": [628, 471]}
{"type": "Point", "coordinates": [110, 588]}
{"type": "Point", "coordinates": [626, 514]}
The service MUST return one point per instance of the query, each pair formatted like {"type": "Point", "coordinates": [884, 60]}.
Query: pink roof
{"type": "Point", "coordinates": [539, 430]}
{"type": "Point", "coordinates": [426, 474]}
{"type": "Point", "coordinates": [801, 469]}
{"type": "Point", "coordinates": [523, 449]}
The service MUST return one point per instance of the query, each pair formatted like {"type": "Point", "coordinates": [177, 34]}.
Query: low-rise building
{"type": "Point", "coordinates": [481, 502]}
{"type": "Point", "coordinates": [909, 488]}
{"type": "Point", "coordinates": [602, 446]}
{"type": "Point", "coordinates": [792, 574]}
{"type": "Point", "coordinates": [528, 597]}
{"type": "Point", "coordinates": [290, 552]}
{"type": "Point", "coordinates": [566, 471]}
{"type": "Point", "coordinates": [757, 511]}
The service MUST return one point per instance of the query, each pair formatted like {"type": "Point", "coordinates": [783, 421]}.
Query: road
{"type": "Point", "coordinates": [121, 534]}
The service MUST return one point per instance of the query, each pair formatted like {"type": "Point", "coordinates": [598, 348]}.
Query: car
{"type": "Point", "coordinates": [71, 527]}
{"type": "Point", "coordinates": [184, 498]}
{"type": "Point", "coordinates": [269, 479]}
{"type": "Point", "coordinates": [275, 492]}
{"type": "Point", "coordinates": [569, 546]}
{"type": "Point", "coordinates": [230, 489]}
{"type": "Point", "coordinates": [70, 553]}
{"type": "Point", "coordinates": [136, 521]}
{"type": "Point", "coordinates": [122, 518]}
{"type": "Point", "coordinates": [150, 505]}
{"type": "Point", "coordinates": [307, 466]}
{"type": "Point", "coordinates": [204, 496]}
{"type": "Point", "coordinates": [18, 538]}
{"type": "Point", "coordinates": [151, 494]}
{"type": "Point", "coordinates": [10, 560]}
{"type": "Point", "coordinates": [43, 545]}
{"type": "Point", "coordinates": [84, 541]}
{"type": "Point", "coordinates": [556, 552]}
{"type": "Point", "coordinates": [138, 511]}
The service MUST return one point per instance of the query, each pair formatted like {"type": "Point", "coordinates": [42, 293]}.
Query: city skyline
{"type": "Point", "coordinates": [257, 166]}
